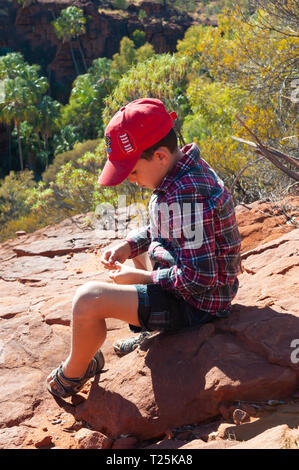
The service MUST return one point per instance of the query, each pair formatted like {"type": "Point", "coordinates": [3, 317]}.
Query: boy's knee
{"type": "Point", "coordinates": [88, 298]}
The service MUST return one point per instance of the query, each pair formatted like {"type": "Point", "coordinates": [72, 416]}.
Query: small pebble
{"type": "Point", "coordinates": [45, 441]}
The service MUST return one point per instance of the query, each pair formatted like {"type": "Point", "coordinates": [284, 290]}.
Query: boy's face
{"type": "Point", "coordinates": [150, 173]}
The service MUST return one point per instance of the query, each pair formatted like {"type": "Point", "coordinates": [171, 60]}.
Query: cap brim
{"type": "Point", "coordinates": [115, 172]}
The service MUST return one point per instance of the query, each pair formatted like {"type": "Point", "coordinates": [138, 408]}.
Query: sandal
{"type": "Point", "coordinates": [64, 387]}
{"type": "Point", "coordinates": [125, 346]}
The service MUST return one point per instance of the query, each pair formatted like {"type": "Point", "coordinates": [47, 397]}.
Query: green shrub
{"type": "Point", "coordinates": [138, 38]}
{"type": "Point", "coordinates": [29, 223]}
{"type": "Point", "coordinates": [72, 155]}
{"type": "Point", "coordinates": [13, 195]}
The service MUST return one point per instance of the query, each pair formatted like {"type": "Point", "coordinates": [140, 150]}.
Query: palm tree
{"type": "Point", "coordinates": [23, 89]}
{"type": "Point", "coordinates": [10, 65]}
{"type": "Point", "coordinates": [47, 119]}
{"type": "Point", "coordinates": [14, 109]}
{"type": "Point", "coordinates": [71, 24]}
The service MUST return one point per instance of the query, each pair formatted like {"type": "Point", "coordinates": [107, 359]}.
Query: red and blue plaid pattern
{"type": "Point", "coordinates": [205, 273]}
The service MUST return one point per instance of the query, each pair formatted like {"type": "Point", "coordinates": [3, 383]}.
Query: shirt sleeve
{"type": "Point", "coordinates": [139, 242]}
{"type": "Point", "coordinates": [196, 267]}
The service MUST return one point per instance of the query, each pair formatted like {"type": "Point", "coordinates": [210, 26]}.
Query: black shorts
{"type": "Point", "coordinates": [159, 309]}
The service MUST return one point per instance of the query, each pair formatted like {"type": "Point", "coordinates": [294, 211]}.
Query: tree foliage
{"type": "Point", "coordinates": [121, 4]}
{"type": "Point", "coordinates": [260, 61]}
{"type": "Point", "coordinates": [71, 25]}
{"type": "Point", "coordinates": [128, 56]}
{"type": "Point", "coordinates": [13, 193]}
{"type": "Point", "coordinates": [74, 188]}
{"type": "Point", "coordinates": [162, 76]}
{"type": "Point", "coordinates": [23, 90]}
{"type": "Point", "coordinates": [246, 66]}
{"type": "Point", "coordinates": [138, 37]}
{"type": "Point", "coordinates": [84, 110]}
{"type": "Point", "coordinates": [243, 68]}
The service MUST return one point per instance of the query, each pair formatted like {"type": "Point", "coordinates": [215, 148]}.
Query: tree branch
{"type": "Point", "coordinates": [269, 153]}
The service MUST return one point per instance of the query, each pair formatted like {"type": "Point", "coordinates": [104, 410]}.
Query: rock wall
{"type": "Point", "coordinates": [29, 30]}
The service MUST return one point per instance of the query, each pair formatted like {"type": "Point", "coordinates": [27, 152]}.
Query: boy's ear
{"type": "Point", "coordinates": [162, 154]}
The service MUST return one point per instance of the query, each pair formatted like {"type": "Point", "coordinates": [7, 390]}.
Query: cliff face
{"type": "Point", "coordinates": [29, 30]}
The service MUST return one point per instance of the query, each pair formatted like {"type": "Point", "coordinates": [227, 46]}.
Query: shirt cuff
{"type": "Point", "coordinates": [162, 277]}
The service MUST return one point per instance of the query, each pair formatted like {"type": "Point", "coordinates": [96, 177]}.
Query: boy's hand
{"type": "Point", "coordinates": [120, 253]}
{"type": "Point", "coordinates": [128, 275]}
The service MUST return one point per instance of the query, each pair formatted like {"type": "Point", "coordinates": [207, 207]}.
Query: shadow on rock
{"type": "Point", "coordinates": [181, 378]}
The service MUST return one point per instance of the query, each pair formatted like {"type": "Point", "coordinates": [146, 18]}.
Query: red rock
{"type": "Point", "coordinates": [88, 439]}
{"type": "Point", "coordinates": [244, 358]}
{"type": "Point", "coordinates": [12, 437]}
{"type": "Point", "coordinates": [279, 437]}
{"type": "Point", "coordinates": [59, 313]}
{"type": "Point", "coordinates": [44, 441]}
{"type": "Point", "coordinates": [185, 435]}
{"type": "Point", "coordinates": [219, 444]}
{"type": "Point", "coordinates": [250, 409]}
{"type": "Point", "coordinates": [226, 410]}
{"type": "Point", "coordinates": [10, 311]}
{"type": "Point", "coordinates": [203, 431]}
{"type": "Point", "coordinates": [153, 402]}
{"type": "Point", "coordinates": [61, 246]}
{"type": "Point", "coordinates": [261, 222]}
{"type": "Point", "coordinates": [125, 443]}
{"type": "Point", "coordinates": [169, 444]}
{"type": "Point", "coordinates": [21, 233]}
{"type": "Point", "coordinates": [284, 414]}
{"type": "Point", "coordinates": [224, 432]}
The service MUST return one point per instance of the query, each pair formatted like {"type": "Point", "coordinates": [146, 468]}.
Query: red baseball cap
{"type": "Point", "coordinates": [133, 129]}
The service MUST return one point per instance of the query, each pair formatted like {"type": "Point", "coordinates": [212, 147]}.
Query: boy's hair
{"type": "Point", "coordinates": [170, 141]}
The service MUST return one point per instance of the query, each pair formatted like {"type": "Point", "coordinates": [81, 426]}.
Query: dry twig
{"type": "Point", "coordinates": [271, 154]}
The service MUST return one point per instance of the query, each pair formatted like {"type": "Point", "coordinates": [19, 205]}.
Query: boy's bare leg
{"type": "Point", "coordinates": [92, 304]}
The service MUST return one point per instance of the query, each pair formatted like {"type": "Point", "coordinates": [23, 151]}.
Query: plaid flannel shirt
{"type": "Point", "coordinates": [203, 271]}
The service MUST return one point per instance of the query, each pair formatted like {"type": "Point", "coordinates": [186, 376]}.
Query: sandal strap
{"type": "Point", "coordinates": [69, 386]}
{"type": "Point", "coordinates": [95, 366]}
{"type": "Point", "coordinates": [125, 346]}
{"type": "Point", "coordinates": [64, 386]}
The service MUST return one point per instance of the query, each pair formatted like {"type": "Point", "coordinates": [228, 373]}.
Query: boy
{"type": "Point", "coordinates": [192, 241]}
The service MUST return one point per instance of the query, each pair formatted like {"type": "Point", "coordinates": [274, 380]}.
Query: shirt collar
{"type": "Point", "coordinates": [190, 157]}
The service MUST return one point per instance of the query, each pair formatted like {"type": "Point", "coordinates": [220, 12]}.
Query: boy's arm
{"type": "Point", "coordinates": [139, 242]}
{"type": "Point", "coordinates": [197, 270]}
